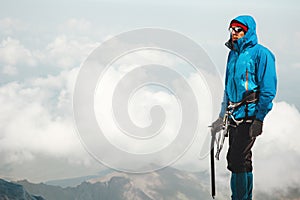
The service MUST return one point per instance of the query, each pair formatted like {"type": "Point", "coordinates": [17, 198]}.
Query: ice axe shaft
{"type": "Point", "coordinates": [212, 165]}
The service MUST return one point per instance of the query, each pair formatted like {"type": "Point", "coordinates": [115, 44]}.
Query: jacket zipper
{"type": "Point", "coordinates": [235, 87]}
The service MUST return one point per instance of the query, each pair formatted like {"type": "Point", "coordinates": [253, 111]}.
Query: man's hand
{"type": "Point", "coordinates": [217, 125]}
{"type": "Point", "coordinates": [256, 128]}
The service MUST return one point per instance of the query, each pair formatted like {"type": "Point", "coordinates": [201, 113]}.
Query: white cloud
{"type": "Point", "coordinates": [12, 52]}
{"type": "Point", "coordinates": [9, 26]}
{"type": "Point", "coordinates": [36, 118]}
{"type": "Point", "coordinates": [277, 151]}
{"type": "Point", "coordinates": [143, 99]}
{"type": "Point", "coordinates": [68, 48]}
{"type": "Point", "coordinates": [62, 53]}
{"type": "Point", "coordinates": [65, 52]}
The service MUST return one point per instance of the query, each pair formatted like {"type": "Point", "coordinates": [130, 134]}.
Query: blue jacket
{"type": "Point", "coordinates": [250, 67]}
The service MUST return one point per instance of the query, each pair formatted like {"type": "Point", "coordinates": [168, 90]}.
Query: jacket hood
{"type": "Point", "coordinates": [250, 38]}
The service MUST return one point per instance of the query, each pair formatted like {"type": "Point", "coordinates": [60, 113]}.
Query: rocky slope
{"type": "Point", "coordinates": [13, 191]}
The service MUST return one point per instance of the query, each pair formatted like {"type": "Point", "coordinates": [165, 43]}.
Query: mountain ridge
{"type": "Point", "coordinates": [165, 184]}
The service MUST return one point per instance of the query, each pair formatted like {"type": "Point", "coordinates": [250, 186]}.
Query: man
{"type": "Point", "coordinates": [250, 75]}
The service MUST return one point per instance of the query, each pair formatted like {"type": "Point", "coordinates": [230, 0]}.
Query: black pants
{"type": "Point", "coordinates": [239, 156]}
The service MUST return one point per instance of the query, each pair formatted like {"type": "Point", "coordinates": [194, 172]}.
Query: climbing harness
{"type": "Point", "coordinates": [220, 138]}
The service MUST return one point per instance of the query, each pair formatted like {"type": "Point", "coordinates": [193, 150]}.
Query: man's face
{"type": "Point", "coordinates": [236, 33]}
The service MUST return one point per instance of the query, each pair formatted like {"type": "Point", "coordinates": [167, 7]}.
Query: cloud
{"type": "Point", "coordinates": [37, 119]}
{"type": "Point", "coordinates": [65, 52]}
{"type": "Point", "coordinates": [9, 26]}
{"type": "Point", "coordinates": [277, 151]}
{"type": "Point", "coordinates": [61, 53]}
{"type": "Point", "coordinates": [13, 53]}
{"type": "Point", "coordinates": [67, 48]}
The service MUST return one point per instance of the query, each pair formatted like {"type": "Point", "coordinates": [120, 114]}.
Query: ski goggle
{"type": "Point", "coordinates": [235, 29]}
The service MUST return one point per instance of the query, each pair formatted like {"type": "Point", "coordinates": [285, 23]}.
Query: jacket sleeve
{"type": "Point", "coordinates": [224, 105]}
{"type": "Point", "coordinates": [225, 97]}
{"type": "Point", "coordinates": [267, 83]}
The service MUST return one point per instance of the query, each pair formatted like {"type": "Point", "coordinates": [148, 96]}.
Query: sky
{"type": "Point", "coordinates": [43, 44]}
